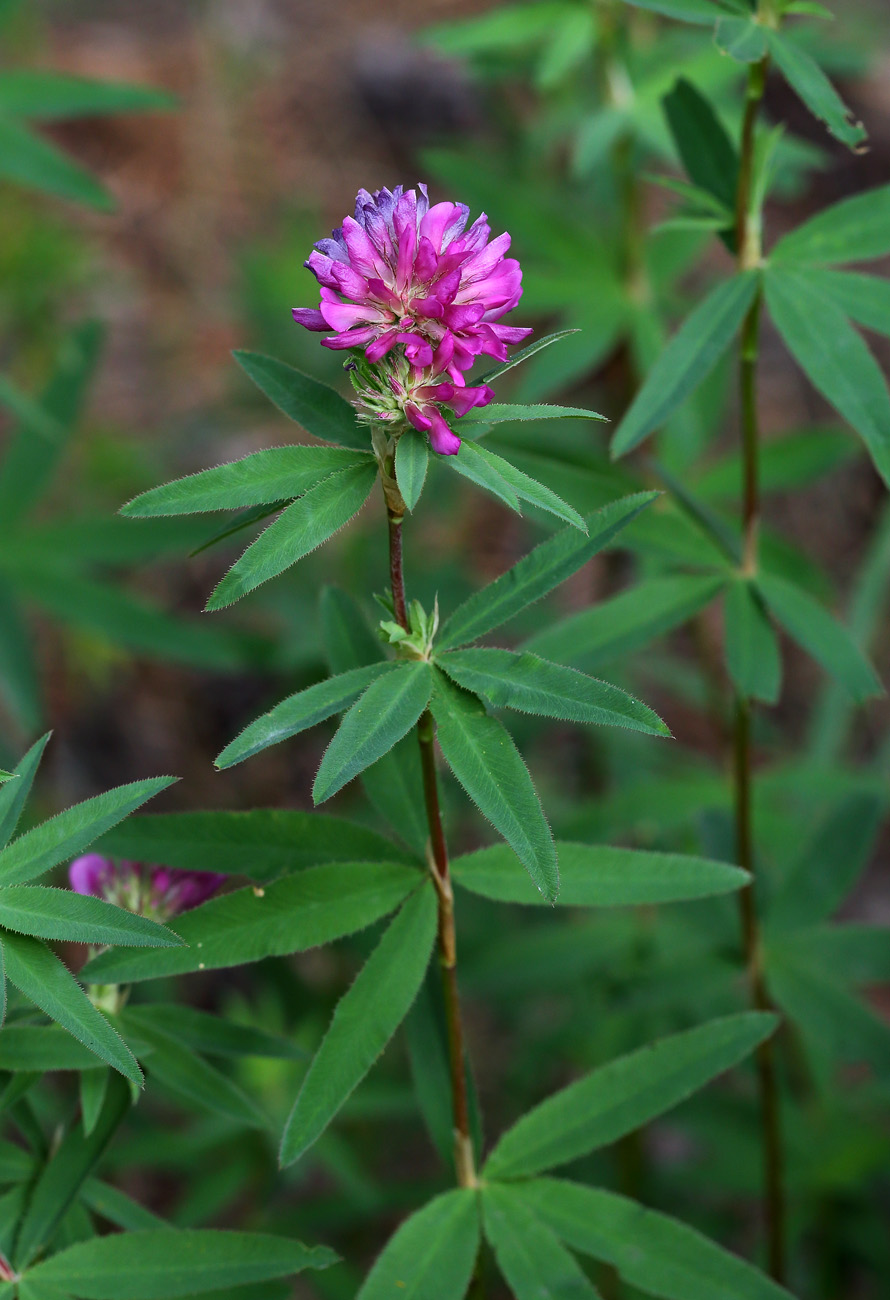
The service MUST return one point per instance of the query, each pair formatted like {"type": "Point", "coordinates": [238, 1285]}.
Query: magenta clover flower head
{"type": "Point", "coordinates": [157, 892]}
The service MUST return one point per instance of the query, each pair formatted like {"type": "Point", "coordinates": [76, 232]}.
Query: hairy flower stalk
{"type": "Point", "coordinates": [153, 891]}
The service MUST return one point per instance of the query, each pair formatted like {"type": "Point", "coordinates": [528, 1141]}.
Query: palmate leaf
{"type": "Point", "coordinates": [864, 298]}
{"type": "Point", "coordinates": [518, 483]}
{"type": "Point", "coordinates": [813, 628]}
{"type": "Point", "coordinates": [260, 844]}
{"type": "Point", "coordinates": [609, 631]}
{"type": "Point", "coordinates": [264, 477]}
{"type": "Point", "coordinates": [502, 413]}
{"type": "Point", "coordinates": [364, 1021]}
{"type": "Point", "coordinates": [649, 1250]}
{"type": "Point", "coordinates": [69, 832]}
{"type": "Point", "coordinates": [299, 912]}
{"type": "Point", "coordinates": [484, 474]}
{"type": "Point", "coordinates": [617, 1098]}
{"type": "Point", "coordinates": [486, 762]}
{"type": "Point", "coordinates": [213, 1035]}
{"type": "Point", "coordinates": [28, 159]}
{"type": "Point", "coordinates": [303, 526]}
{"type": "Point", "coordinates": [412, 462]}
{"type": "Point", "coordinates": [537, 573]}
{"type": "Point", "coordinates": [530, 1256]}
{"type": "Point", "coordinates": [523, 681]}
{"type": "Point", "coordinates": [688, 358]}
{"type": "Point", "coordinates": [321, 411]}
{"type": "Point", "coordinates": [856, 229]}
{"type": "Point", "coordinates": [834, 357]}
{"type": "Point", "coordinates": [805, 77]}
{"type": "Point", "coordinates": [63, 1175]}
{"type": "Point", "coordinates": [162, 1263]}
{"type": "Point", "coordinates": [523, 354]}
{"type": "Point", "coordinates": [432, 1255]}
{"type": "Point", "coordinates": [50, 913]}
{"type": "Point", "coordinates": [14, 798]}
{"type": "Point", "coordinates": [598, 875]}
{"type": "Point", "coordinates": [385, 713]}
{"type": "Point", "coordinates": [34, 971]}
{"type": "Point", "coordinates": [36, 1049]}
{"type": "Point", "coordinates": [300, 711]}
{"type": "Point", "coordinates": [752, 648]}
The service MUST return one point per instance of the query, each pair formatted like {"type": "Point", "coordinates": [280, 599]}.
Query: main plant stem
{"type": "Point", "coordinates": [464, 1161]}
{"type": "Point", "coordinates": [749, 250]}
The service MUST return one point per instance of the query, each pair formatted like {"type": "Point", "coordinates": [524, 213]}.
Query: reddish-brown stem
{"type": "Point", "coordinates": [464, 1161]}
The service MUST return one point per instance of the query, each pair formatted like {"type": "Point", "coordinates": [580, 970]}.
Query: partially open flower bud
{"type": "Point", "coordinates": [153, 891]}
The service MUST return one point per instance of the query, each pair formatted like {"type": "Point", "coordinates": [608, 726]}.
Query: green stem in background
{"type": "Point", "coordinates": [464, 1161]}
{"type": "Point", "coordinates": [749, 245]}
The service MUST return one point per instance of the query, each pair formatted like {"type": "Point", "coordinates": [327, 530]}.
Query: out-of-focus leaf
{"type": "Point", "coordinates": [432, 1255]}
{"type": "Point", "coordinates": [530, 1256]}
{"type": "Point", "coordinates": [805, 77]}
{"type": "Point", "coordinates": [27, 159]}
{"type": "Point", "coordinates": [52, 96]}
{"type": "Point", "coordinates": [752, 647]}
{"type": "Point", "coordinates": [321, 411]}
{"type": "Point", "coordinates": [14, 798]}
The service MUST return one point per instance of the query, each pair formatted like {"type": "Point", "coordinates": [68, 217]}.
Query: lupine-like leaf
{"type": "Point", "coordinates": [264, 477]}
{"type": "Point", "coordinates": [212, 1034]}
{"type": "Point", "coordinates": [827, 641]}
{"type": "Point", "coordinates": [617, 1098]}
{"type": "Point", "coordinates": [611, 630]}
{"type": "Point", "coordinates": [71, 831]}
{"type": "Point", "coordinates": [526, 488]}
{"type": "Point", "coordinates": [707, 153]}
{"type": "Point", "coordinates": [598, 875]}
{"type": "Point", "coordinates": [539, 572]}
{"type": "Point", "coordinates": [805, 77]}
{"type": "Point", "coordinates": [530, 1256]}
{"type": "Point", "coordinates": [689, 357]}
{"type": "Point", "coordinates": [742, 39]}
{"type": "Point", "coordinates": [864, 298]}
{"type": "Point", "coordinates": [28, 159]}
{"type": "Point", "coordinates": [471, 466]}
{"type": "Point", "coordinates": [93, 1089]}
{"type": "Point", "coordinates": [523, 681]}
{"type": "Point", "coordinates": [385, 713]}
{"type": "Point", "coordinates": [702, 12]}
{"type": "Point", "coordinates": [501, 413]}
{"type": "Point", "coordinates": [33, 969]}
{"type": "Point", "coordinates": [320, 410]}
{"type": "Point", "coordinates": [834, 357]}
{"type": "Point", "coordinates": [300, 711]}
{"type": "Point", "coordinates": [856, 229]}
{"type": "Point", "coordinates": [53, 96]}
{"type": "Point", "coordinates": [412, 461]}
{"type": "Point", "coordinates": [189, 1076]}
{"type": "Point", "coordinates": [752, 648]}
{"type": "Point", "coordinates": [14, 797]}
{"type": "Point", "coordinates": [163, 1263]}
{"type": "Point", "coordinates": [652, 1251]}
{"type": "Point", "coordinates": [365, 1020]}
{"type": "Point", "coordinates": [303, 526]}
{"type": "Point", "coordinates": [523, 354]}
{"type": "Point", "coordinates": [40, 1048]}
{"type": "Point", "coordinates": [432, 1255]}
{"type": "Point", "coordinates": [303, 911]}
{"type": "Point", "coordinates": [51, 913]}
{"type": "Point", "coordinates": [19, 680]}
{"type": "Point", "coordinates": [483, 757]}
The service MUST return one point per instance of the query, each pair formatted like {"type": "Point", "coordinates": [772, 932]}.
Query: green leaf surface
{"type": "Point", "coordinates": [53, 96]}
{"type": "Point", "coordinates": [214, 1035]}
{"type": "Point", "coordinates": [704, 146]}
{"type": "Point", "coordinates": [649, 1250]}
{"type": "Point", "coordinates": [537, 573]}
{"type": "Point", "coordinates": [20, 686]}
{"type": "Point", "coordinates": [412, 462]}
{"type": "Point", "coordinates": [856, 229]}
{"type": "Point", "coordinates": [700, 12]}
{"type": "Point", "coordinates": [28, 159]}
{"type": "Point", "coordinates": [688, 358]}
{"type": "Point", "coordinates": [41, 1048]}
{"type": "Point", "coordinates": [523, 355]}
{"type": "Point", "coordinates": [299, 912]}
{"type": "Point", "coordinates": [526, 488]}
{"type": "Point", "coordinates": [321, 411]}
{"type": "Point", "coordinates": [805, 77]}
{"type": "Point", "coordinates": [864, 298]}
{"type": "Point", "coordinates": [834, 357]}
{"type": "Point", "coordinates": [624, 1094]}
{"type": "Point", "coordinates": [523, 681]}
{"type": "Point", "coordinates": [190, 1077]}
{"type": "Point", "coordinates": [14, 797]}
{"type": "Point", "coordinates": [300, 711]}
{"type": "Point", "coordinates": [50, 913]}
{"type": "Point", "coordinates": [486, 762]}
{"type": "Point", "coordinates": [259, 844]}
{"type": "Point", "coordinates": [830, 862]}
{"type": "Point", "coordinates": [68, 833]}
{"type": "Point", "coordinates": [93, 1088]}
{"type": "Point", "coordinates": [432, 1255]}
{"type": "Point", "coordinates": [614, 628]}
{"type": "Point", "coordinates": [37, 973]}
{"type": "Point", "coordinates": [297, 531]}
{"type": "Point", "coordinates": [530, 1256]}
{"type": "Point", "coordinates": [789, 462]}
{"type": "Point", "coordinates": [599, 875]}
{"type": "Point", "coordinates": [162, 1263]}
{"type": "Point", "coordinates": [264, 477]}
{"type": "Point", "coordinates": [855, 953]}
{"type": "Point", "coordinates": [472, 466]}
{"type": "Point", "coordinates": [753, 657]}
{"type": "Point", "coordinates": [385, 713]}
{"type": "Point", "coordinates": [813, 628]}
{"type": "Point", "coordinates": [394, 785]}
{"type": "Point", "coordinates": [63, 1175]}
{"type": "Point", "coordinates": [349, 641]}
{"type": "Point", "coordinates": [502, 413]}
{"type": "Point", "coordinates": [743, 39]}
{"type": "Point", "coordinates": [364, 1021]}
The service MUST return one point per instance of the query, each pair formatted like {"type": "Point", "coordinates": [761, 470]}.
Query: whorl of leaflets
{"type": "Point", "coordinates": [422, 297]}
{"type": "Point", "coordinates": [152, 891]}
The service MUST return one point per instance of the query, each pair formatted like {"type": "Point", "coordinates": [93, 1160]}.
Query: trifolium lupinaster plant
{"type": "Point", "coordinates": [416, 299]}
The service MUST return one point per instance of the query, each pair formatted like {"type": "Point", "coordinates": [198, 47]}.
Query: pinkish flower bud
{"type": "Point", "coordinates": [154, 891]}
